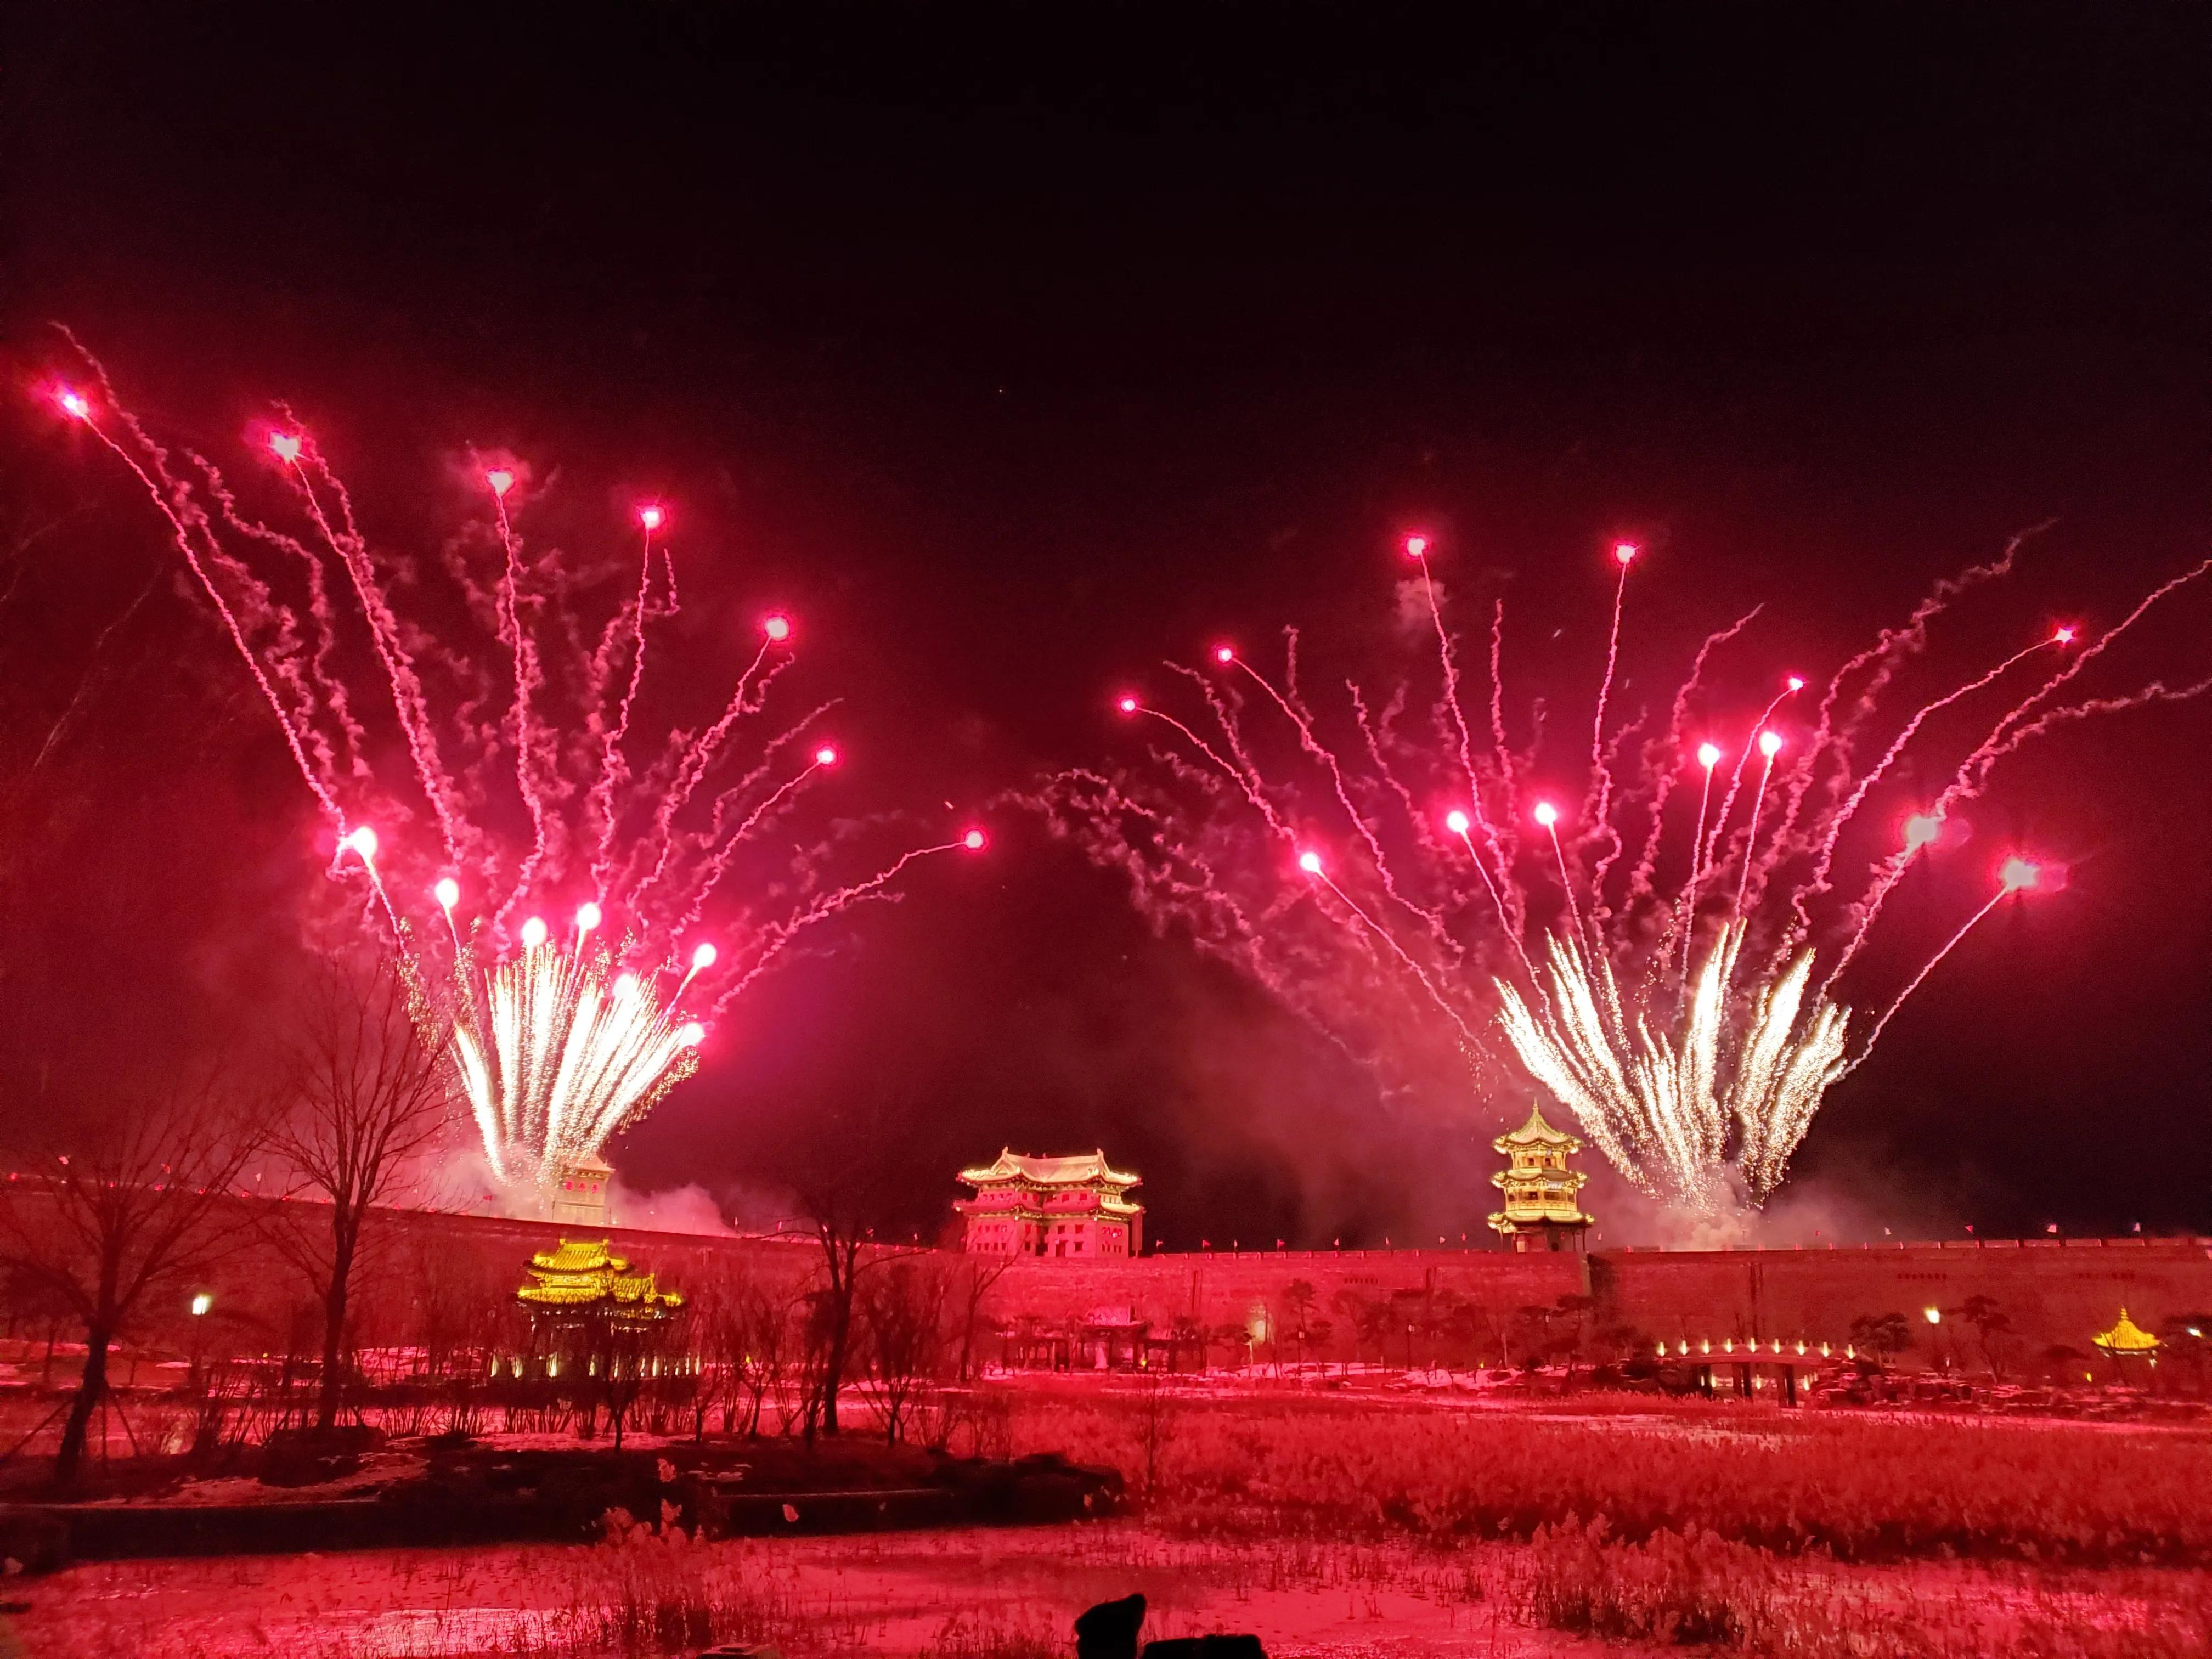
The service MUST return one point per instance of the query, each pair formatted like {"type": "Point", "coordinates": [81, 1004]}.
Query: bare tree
{"type": "Point", "coordinates": [978, 1274]}
{"type": "Point", "coordinates": [850, 1256]}
{"type": "Point", "coordinates": [133, 1199]}
{"type": "Point", "coordinates": [370, 1095]}
{"type": "Point", "coordinates": [904, 1309]}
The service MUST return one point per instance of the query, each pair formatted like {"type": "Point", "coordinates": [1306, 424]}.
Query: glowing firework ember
{"type": "Point", "coordinates": [1392, 872]}
{"type": "Point", "coordinates": [531, 776]}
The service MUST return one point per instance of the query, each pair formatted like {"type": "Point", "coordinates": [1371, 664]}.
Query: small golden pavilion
{"type": "Point", "coordinates": [2127, 1341]}
{"type": "Point", "coordinates": [1540, 1190]}
{"type": "Point", "coordinates": [579, 1281]}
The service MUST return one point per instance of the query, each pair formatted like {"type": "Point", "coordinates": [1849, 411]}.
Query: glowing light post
{"type": "Point", "coordinates": [201, 1302]}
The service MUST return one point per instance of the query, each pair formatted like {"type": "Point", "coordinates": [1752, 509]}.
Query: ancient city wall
{"type": "Point", "coordinates": [2053, 1292]}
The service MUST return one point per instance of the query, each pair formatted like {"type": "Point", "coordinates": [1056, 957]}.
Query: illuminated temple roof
{"type": "Point", "coordinates": [2126, 1338]}
{"type": "Point", "coordinates": [1537, 1132]}
{"type": "Point", "coordinates": [1541, 1191]}
{"type": "Point", "coordinates": [579, 1277]}
{"type": "Point", "coordinates": [1075, 1170]}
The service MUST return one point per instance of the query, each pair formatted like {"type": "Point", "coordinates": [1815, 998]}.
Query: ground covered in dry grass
{"type": "Point", "coordinates": [1329, 1528]}
{"type": "Point", "coordinates": [1862, 1487]}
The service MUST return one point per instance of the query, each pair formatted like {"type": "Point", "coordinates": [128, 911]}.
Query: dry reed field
{"type": "Point", "coordinates": [1864, 1487]}
{"type": "Point", "coordinates": [1566, 1529]}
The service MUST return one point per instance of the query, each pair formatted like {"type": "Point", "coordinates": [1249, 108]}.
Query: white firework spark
{"type": "Point", "coordinates": [555, 1050]}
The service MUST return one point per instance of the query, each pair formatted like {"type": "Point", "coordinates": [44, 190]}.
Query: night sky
{"type": "Point", "coordinates": [1015, 348]}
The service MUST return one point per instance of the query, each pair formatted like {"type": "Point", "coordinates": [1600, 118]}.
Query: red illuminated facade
{"type": "Point", "coordinates": [1077, 1206]}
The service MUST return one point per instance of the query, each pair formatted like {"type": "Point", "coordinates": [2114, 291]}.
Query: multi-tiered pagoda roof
{"type": "Point", "coordinates": [581, 1279]}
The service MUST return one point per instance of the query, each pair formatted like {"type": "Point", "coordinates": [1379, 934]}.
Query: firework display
{"type": "Point", "coordinates": [530, 780]}
{"type": "Point", "coordinates": [1388, 865]}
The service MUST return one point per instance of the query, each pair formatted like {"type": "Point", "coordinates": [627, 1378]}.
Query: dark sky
{"type": "Point", "coordinates": [1019, 346]}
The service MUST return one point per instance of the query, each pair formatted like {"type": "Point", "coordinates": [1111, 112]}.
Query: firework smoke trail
{"type": "Point", "coordinates": [1769, 744]}
{"type": "Point", "coordinates": [527, 678]}
{"type": "Point", "coordinates": [1655, 760]}
{"type": "Point", "coordinates": [1735, 778]}
{"type": "Point", "coordinates": [1709, 756]}
{"type": "Point", "coordinates": [408, 700]}
{"type": "Point", "coordinates": [1597, 806]}
{"type": "Point", "coordinates": [2018, 874]}
{"type": "Point", "coordinates": [1694, 1047]}
{"type": "Point", "coordinates": [610, 755]}
{"type": "Point", "coordinates": [1842, 816]}
{"type": "Point", "coordinates": [555, 1045]}
{"type": "Point", "coordinates": [1972, 776]}
{"type": "Point", "coordinates": [171, 499]}
{"type": "Point", "coordinates": [1417, 548]}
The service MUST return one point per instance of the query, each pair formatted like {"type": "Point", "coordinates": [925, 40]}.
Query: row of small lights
{"type": "Point", "coordinates": [1921, 828]}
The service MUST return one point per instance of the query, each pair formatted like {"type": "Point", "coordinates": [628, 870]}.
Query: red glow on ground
{"type": "Point", "coordinates": [777, 628]}
{"type": "Point", "coordinates": [501, 481]}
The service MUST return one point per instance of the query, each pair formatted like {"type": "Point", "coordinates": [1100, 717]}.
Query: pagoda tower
{"type": "Point", "coordinates": [579, 1281]}
{"type": "Point", "coordinates": [1540, 1189]}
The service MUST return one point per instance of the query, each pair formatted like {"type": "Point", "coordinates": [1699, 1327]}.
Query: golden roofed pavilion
{"type": "Point", "coordinates": [2127, 1340]}
{"type": "Point", "coordinates": [1078, 1205]}
{"type": "Point", "coordinates": [580, 1280]}
{"type": "Point", "coordinates": [1540, 1190]}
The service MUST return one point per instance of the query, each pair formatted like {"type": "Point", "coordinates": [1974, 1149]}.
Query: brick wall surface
{"type": "Point", "coordinates": [2053, 1292]}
